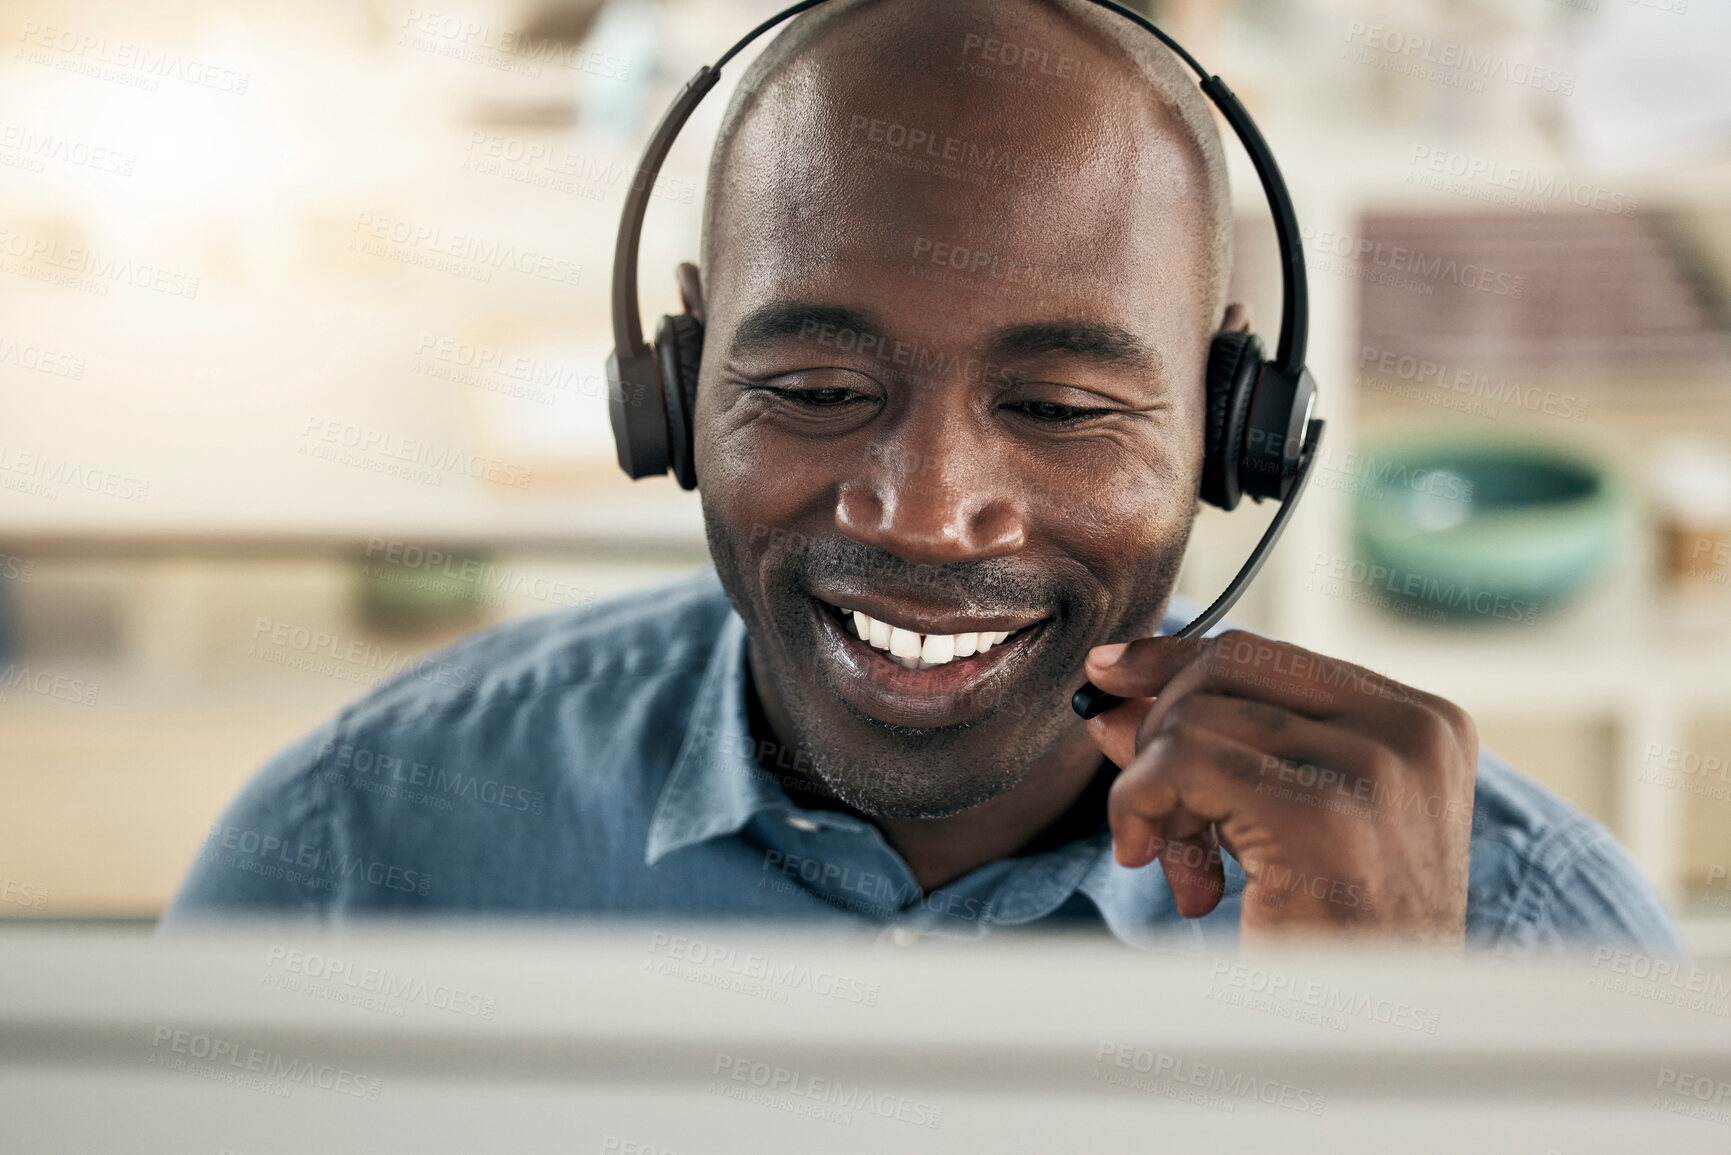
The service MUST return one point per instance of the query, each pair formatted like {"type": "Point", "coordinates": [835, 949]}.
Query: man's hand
{"type": "Point", "coordinates": [1346, 797]}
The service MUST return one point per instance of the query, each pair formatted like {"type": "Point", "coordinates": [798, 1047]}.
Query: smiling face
{"type": "Point", "coordinates": [951, 395]}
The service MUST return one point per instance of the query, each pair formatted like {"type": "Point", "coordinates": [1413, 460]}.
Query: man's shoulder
{"type": "Point", "coordinates": [510, 770]}
{"type": "Point", "coordinates": [611, 645]}
{"type": "Point", "coordinates": [1543, 874]}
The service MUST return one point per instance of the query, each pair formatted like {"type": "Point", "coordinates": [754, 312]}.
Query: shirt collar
{"type": "Point", "coordinates": [716, 784]}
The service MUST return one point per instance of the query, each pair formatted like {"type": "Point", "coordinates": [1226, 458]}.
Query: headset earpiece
{"type": "Point", "coordinates": [679, 355]}
{"type": "Point", "coordinates": [1255, 422]}
{"type": "Point", "coordinates": [1234, 362]}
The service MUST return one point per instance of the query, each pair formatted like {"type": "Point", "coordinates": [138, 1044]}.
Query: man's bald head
{"type": "Point", "coordinates": [1067, 76]}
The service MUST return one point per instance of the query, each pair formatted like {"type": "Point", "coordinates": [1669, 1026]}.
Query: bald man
{"type": "Point", "coordinates": [948, 440]}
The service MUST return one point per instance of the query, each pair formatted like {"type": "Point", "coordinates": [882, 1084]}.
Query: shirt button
{"type": "Point", "coordinates": [799, 822]}
{"type": "Point", "coordinates": [902, 936]}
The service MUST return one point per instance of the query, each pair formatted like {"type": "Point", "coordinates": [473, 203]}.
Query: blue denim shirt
{"type": "Point", "coordinates": [599, 762]}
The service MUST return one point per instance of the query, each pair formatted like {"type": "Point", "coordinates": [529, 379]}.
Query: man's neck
{"type": "Point", "coordinates": [1060, 799]}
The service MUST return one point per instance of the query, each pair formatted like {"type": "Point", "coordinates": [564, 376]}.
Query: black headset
{"type": "Point", "coordinates": [1259, 436]}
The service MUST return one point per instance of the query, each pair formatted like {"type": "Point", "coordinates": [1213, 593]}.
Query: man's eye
{"type": "Point", "coordinates": [817, 398]}
{"type": "Point", "coordinates": [821, 389]}
{"type": "Point", "coordinates": [1054, 413]}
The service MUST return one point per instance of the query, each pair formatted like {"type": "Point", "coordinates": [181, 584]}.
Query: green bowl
{"type": "Point", "coordinates": [1468, 532]}
{"type": "Point", "coordinates": [431, 591]}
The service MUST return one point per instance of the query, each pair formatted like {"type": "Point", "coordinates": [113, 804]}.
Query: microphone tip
{"type": "Point", "coordinates": [1091, 701]}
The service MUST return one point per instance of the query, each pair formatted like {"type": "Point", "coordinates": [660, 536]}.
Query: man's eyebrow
{"type": "Point", "coordinates": [1105, 343]}
{"type": "Point", "coordinates": [779, 320]}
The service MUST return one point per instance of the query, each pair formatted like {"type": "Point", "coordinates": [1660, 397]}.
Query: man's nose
{"type": "Point", "coordinates": [935, 502]}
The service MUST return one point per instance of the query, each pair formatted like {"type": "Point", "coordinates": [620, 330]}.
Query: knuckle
{"type": "Point", "coordinates": [1430, 737]}
{"type": "Point", "coordinates": [1175, 742]}
{"type": "Point", "coordinates": [1460, 724]}
{"type": "Point", "coordinates": [1384, 765]}
{"type": "Point", "coordinates": [1268, 716]}
{"type": "Point", "coordinates": [1185, 711]}
{"type": "Point", "coordinates": [1245, 765]}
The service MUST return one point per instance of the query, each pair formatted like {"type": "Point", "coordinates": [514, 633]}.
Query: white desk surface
{"type": "Point", "coordinates": [630, 1035]}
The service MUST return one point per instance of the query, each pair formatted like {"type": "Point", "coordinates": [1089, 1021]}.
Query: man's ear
{"type": "Point", "coordinates": [1237, 319]}
{"type": "Point", "coordinates": [690, 289]}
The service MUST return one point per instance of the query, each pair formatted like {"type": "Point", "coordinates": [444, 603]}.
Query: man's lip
{"type": "Point", "coordinates": [924, 619]}
{"type": "Point", "coordinates": [947, 694]}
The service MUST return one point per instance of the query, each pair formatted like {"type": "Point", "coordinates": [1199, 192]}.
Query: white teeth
{"type": "Point", "coordinates": [938, 648]}
{"type": "Point", "coordinates": [919, 651]}
{"type": "Point", "coordinates": [880, 634]}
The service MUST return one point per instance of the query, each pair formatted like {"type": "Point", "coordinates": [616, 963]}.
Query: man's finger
{"type": "Point", "coordinates": [1188, 768]}
{"type": "Point", "coordinates": [1191, 860]}
{"type": "Point", "coordinates": [1248, 665]}
{"type": "Point", "coordinates": [1140, 669]}
{"type": "Point", "coordinates": [1350, 761]}
{"type": "Point", "coordinates": [1166, 807]}
{"type": "Point", "coordinates": [1115, 730]}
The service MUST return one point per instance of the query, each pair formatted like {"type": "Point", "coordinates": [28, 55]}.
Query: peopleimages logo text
{"type": "Point", "coordinates": [1414, 262]}
{"type": "Point", "coordinates": [1463, 60]}
{"type": "Point", "coordinates": [241, 844]}
{"type": "Point", "coordinates": [391, 447]}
